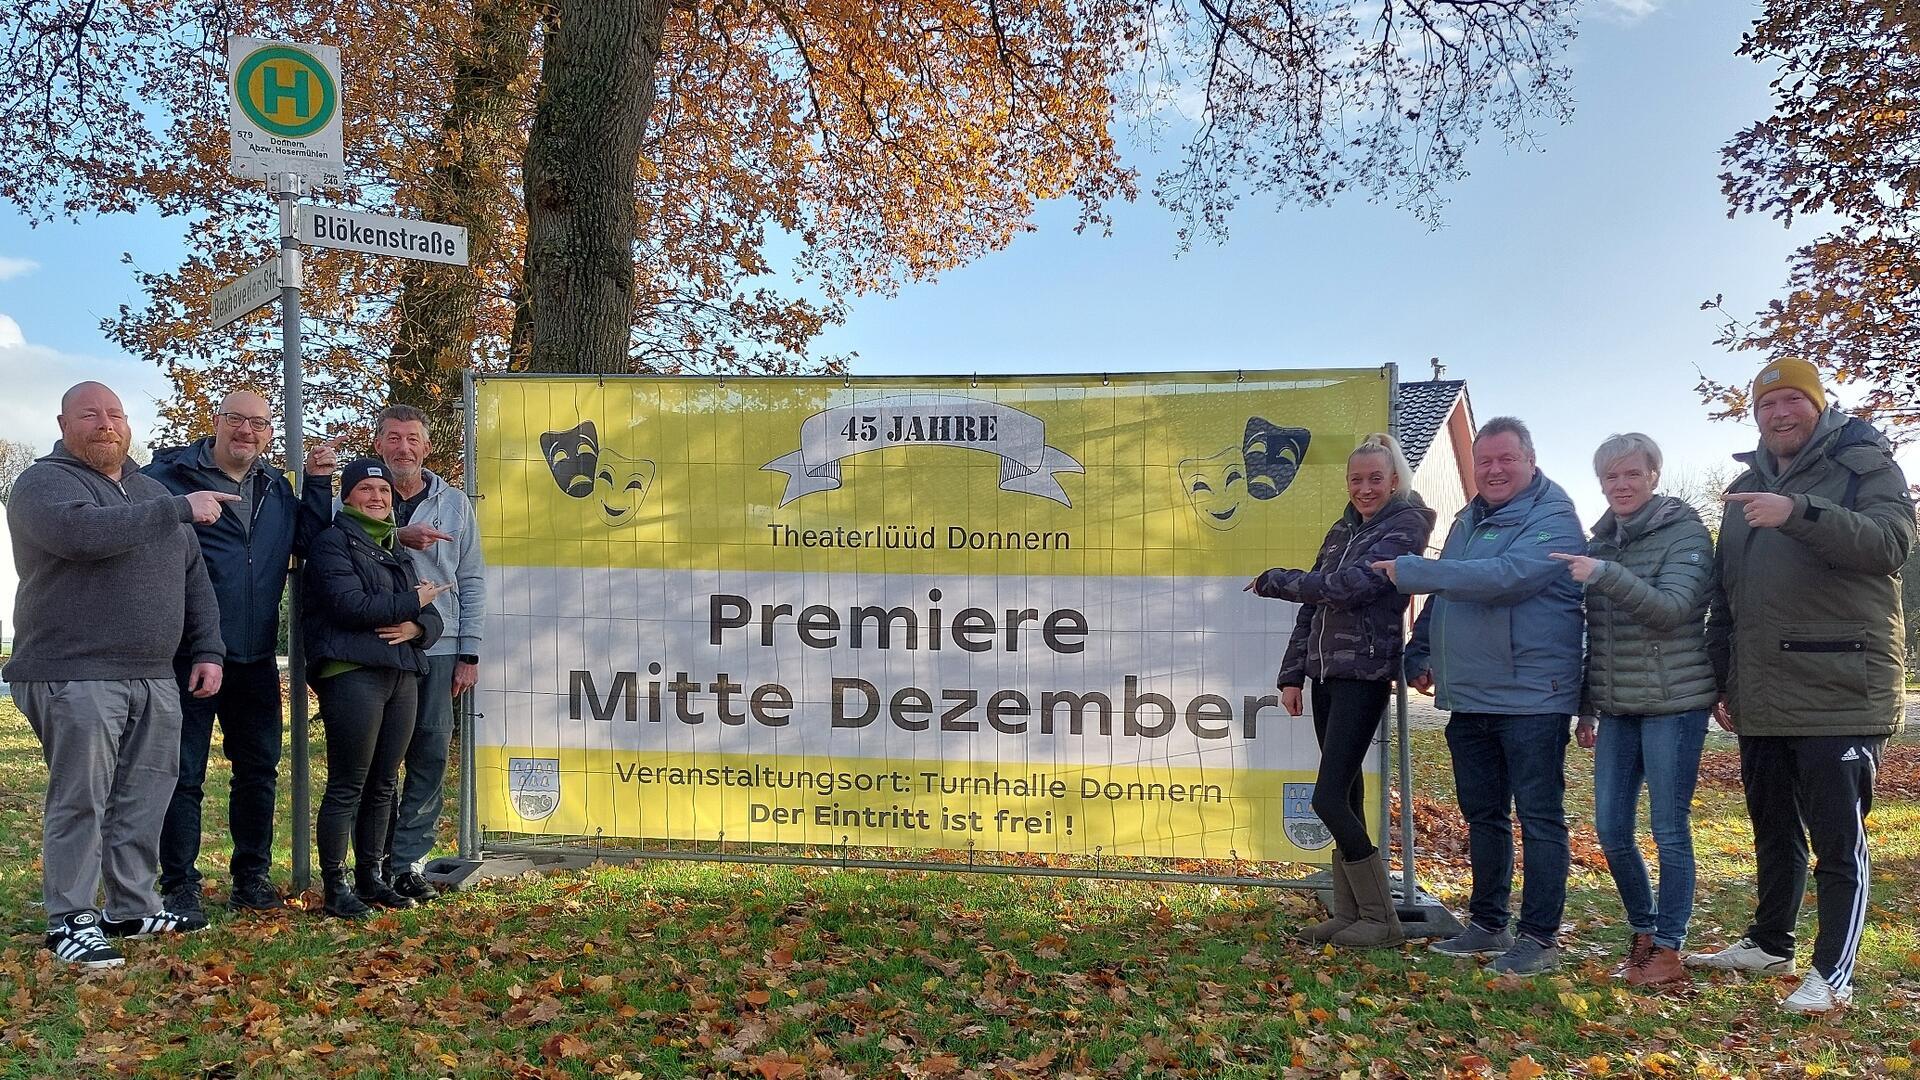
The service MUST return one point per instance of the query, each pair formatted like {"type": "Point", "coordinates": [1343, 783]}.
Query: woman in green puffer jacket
{"type": "Point", "coordinates": [1649, 689]}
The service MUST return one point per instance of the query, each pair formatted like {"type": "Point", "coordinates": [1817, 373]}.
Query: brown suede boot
{"type": "Point", "coordinates": [1342, 914]}
{"type": "Point", "coordinates": [1637, 954]}
{"type": "Point", "coordinates": [1378, 924]}
{"type": "Point", "coordinates": [1662, 968]}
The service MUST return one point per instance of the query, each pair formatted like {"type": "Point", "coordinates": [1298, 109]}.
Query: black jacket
{"type": "Point", "coordinates": [248, 565]}
{"type": "Point", "coordinates": [352, 587]}
{"type": "Point", "coordinates": [1352, 620]}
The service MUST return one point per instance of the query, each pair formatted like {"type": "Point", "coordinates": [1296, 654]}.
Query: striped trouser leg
{"type": "Point", "coordinates": [1835, 788]}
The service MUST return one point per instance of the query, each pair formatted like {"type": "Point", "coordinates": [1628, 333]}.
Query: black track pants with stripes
{"type": "Point", "coordinates": [1814, 789]}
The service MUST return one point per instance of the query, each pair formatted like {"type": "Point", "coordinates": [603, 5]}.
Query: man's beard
{"type": "Point", "coordinates": [1779, 447]}
{"type": "Point", "coordinates": [103, 455]}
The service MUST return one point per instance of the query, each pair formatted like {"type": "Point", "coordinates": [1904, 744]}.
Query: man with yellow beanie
{"type": "Point", "coordinates": [1807, 646]}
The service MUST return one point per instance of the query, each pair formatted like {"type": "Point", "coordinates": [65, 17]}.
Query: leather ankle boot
{"type": "Point", "coordinates": [341, 901]}
{"type": "Point", "coordinates": [1663, 967]}
{"type": "Point", "coordinates": [374, 890]}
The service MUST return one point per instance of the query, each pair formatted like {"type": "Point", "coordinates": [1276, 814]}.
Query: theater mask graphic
{"type": "Point", "coordinates": [1260, 468]}
{"type": "Point", "coordinates": [588, 471]}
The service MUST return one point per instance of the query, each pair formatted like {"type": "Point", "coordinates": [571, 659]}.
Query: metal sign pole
{"type": "Point", "coordinates": [287, 192]}
{"type": "Point", "coordinates": [1409, 890]}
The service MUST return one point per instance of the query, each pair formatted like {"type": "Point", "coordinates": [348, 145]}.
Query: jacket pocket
{"type": "Point", "coordinates": [1820, 666]}
{"type": "Point", "coordinates": [1482, 645]}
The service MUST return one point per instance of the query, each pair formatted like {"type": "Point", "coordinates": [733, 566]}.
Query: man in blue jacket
{"type": "Point", "coordinates": [246, 551]}
{"type": "Point", "coordinates": [1499, 645]}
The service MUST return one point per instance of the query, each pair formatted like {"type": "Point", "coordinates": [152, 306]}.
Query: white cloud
{"type": "Point", "coordinates": [11, 267]}
{"type": "Point", "coordinates": [37, 375]}
{"type": "Point", "coordinates": [1625, 11]}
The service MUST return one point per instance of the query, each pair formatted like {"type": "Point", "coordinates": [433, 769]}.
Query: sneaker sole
{"type": "Point", "coordinates": [1808, 1010]}
{"type": "Point", "coordinates": [1769, 969]}
{"type": "Point", "coordinates": [158, 933]}
{"type": "Point", "coordinates": [1479, 955]}
{"type": "Point", "coordinates": [95, 965]}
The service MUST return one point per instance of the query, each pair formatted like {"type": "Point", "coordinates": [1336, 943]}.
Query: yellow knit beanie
{"type": "Point", "coordinates": [1790, 373]}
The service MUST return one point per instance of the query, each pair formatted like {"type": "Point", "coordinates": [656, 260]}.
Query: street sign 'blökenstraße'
{"type": "Point", "coordinates": [284, 110]}
{"type": "Point", "coordinates": [258, 287]}
{"type": "Point", "coordinates": [348, 231]}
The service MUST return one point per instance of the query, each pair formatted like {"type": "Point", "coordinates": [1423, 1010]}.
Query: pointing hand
{"type": "Point", "coordinates": [1764, 509]}
{"type": "Point", "coordinates": [1583, 567]}
{"type": "Point", "coordinates": [325, 457]}
{"type": "Point", "coordinates": [420, 536]}
{"type": "Point", "coordinates": [206, 505]}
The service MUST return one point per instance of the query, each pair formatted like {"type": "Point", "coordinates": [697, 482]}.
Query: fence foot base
{"type": "Point", "coordinates": [1421, 915]}
{"type": "Point", "coordinates": [455, 874]}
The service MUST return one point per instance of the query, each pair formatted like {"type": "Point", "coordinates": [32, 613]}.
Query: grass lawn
{"type": "Point", "coordinates": [673, 969]}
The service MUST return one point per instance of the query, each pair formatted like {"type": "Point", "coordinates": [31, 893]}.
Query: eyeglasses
{"type": "Point", "coordinates": [234, 419]}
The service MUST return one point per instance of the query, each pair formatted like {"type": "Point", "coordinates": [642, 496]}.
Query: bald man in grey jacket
{"type": "Point", "coordinates": [111, 586]}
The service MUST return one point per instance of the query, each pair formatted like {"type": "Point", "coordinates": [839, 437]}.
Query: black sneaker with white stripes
{"type": "Point", "coordinates": [76, 939]}
{"type": "Point", "coordinates": [160, 922]}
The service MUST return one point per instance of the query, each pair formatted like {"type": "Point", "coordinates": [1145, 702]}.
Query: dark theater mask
{"type": "Point", "coordinates": [1272, 455]}
{"type": "Point", "coordinates": [584, 469]}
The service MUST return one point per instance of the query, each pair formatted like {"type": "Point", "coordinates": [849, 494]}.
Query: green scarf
{"type": "Point", "coordinates": [378, 530]}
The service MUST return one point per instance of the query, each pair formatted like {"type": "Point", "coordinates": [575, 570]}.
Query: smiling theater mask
{"type": "Point", "coordinates": [1261, 467]}
{"type": "Point", "coordinates": [1216, 487]}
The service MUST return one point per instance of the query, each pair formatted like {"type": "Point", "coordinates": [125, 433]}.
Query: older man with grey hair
{"type": "Point", "coordinates": [111, 585]}
{"type": "Point", "coordinates": [437, 527]}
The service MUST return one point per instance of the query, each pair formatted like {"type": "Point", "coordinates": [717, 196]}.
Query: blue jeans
{"type": "Point", "coordinates": [1664, 751]}
{"type": "Point", "coordinates": [416, 813]}
{"type": "Point", "coordinates": [1503, 764]}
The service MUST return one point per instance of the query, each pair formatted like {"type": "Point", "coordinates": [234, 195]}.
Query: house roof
{"type": "Point", "coordinates": [1424, 408]}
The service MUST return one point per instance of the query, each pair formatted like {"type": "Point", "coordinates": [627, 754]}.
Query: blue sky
{"type": "Point", "coordinates": [1564, 285]}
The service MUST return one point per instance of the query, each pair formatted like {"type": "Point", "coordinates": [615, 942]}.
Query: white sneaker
{"type": "Point", "coordinates": [1743, 955]}
{"type": "Point", "coordinates": [1815, 995]}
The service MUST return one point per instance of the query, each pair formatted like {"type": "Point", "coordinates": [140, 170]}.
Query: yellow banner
{"type": "Point", "coordinates": [1005, 613]}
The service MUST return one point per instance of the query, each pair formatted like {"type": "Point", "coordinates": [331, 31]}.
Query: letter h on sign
{"type": "Point", "coordinates": [272, 90]}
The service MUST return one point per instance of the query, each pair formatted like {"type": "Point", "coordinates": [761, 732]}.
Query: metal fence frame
{"type": "Point", "coordinates": [477, 849]}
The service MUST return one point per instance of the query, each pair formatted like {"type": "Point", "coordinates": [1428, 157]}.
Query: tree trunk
{"type": "Point", "coordinates": [438, 303]}
{"type": "Point", "coordinates": [596, 91]}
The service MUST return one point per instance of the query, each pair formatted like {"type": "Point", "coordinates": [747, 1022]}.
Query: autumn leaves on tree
{"type": "Point", "coordinates": [1841, 141]}
{"type": "Point", "coordinates": [701, 186]}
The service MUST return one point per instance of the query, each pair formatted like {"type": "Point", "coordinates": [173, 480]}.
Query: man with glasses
{"type": "Point", "coordinates": [246, 549]}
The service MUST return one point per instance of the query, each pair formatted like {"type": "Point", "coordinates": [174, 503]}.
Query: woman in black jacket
{"type": "Point", "coordinates": [1348, 639]}
{"type": "Point", "coordinates": [368, 622]}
